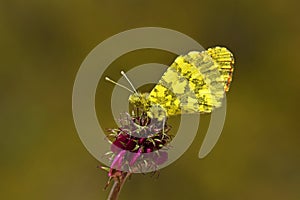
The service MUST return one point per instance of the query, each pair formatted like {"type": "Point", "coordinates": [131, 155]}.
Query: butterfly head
{"type": "Point", "coordinates": [140, 100]}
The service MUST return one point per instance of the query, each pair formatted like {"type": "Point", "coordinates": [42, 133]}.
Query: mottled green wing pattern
{"type": "Point", "coordinates": [194, 83]}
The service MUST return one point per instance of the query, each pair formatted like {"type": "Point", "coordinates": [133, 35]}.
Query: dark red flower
{"type": "Point", "coordinates": [137, 141]}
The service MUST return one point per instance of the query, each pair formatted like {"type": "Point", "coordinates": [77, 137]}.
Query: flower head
{"type": "Point", "coordinates": [138, 144]}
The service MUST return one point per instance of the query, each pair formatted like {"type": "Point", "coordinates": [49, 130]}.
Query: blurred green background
{"type": "Point", "coordinates": [43, 44]}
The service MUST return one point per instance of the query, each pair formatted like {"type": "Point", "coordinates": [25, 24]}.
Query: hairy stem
{"type": "Point", "coordinates": [117, 186]}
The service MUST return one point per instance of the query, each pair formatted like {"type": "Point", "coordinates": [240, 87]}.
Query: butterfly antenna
{"type": "Point", "coordinates": [125, 76]}
{"type": "Point", "coordinates": [118, 84]}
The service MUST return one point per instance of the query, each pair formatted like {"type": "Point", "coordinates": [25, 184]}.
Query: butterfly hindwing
{"type": "Point", "coordinates": [194, 82]}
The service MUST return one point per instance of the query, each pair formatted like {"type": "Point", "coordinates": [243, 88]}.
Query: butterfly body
{"type": "Point", "coordinates": [194, 83]}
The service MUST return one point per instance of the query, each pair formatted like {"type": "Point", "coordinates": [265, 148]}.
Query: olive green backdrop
{"type": "Point", "coordinates": [42, 46]}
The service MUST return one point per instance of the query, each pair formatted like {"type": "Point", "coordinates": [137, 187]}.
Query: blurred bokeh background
{"type": "Point", "coordinates": [43, 44]}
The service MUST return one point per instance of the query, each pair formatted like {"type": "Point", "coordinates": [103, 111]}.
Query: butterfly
{"type": "Point", "coordinates": [193, 83]}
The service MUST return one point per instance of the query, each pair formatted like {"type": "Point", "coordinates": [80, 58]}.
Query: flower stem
{"type": "Point", "coordinates": [117, 186]}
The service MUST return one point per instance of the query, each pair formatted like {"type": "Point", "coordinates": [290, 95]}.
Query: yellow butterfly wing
{"type": "Point", "coordinates": [194, 82]}
{"type": "Point", "coordinates": [224, 58]}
